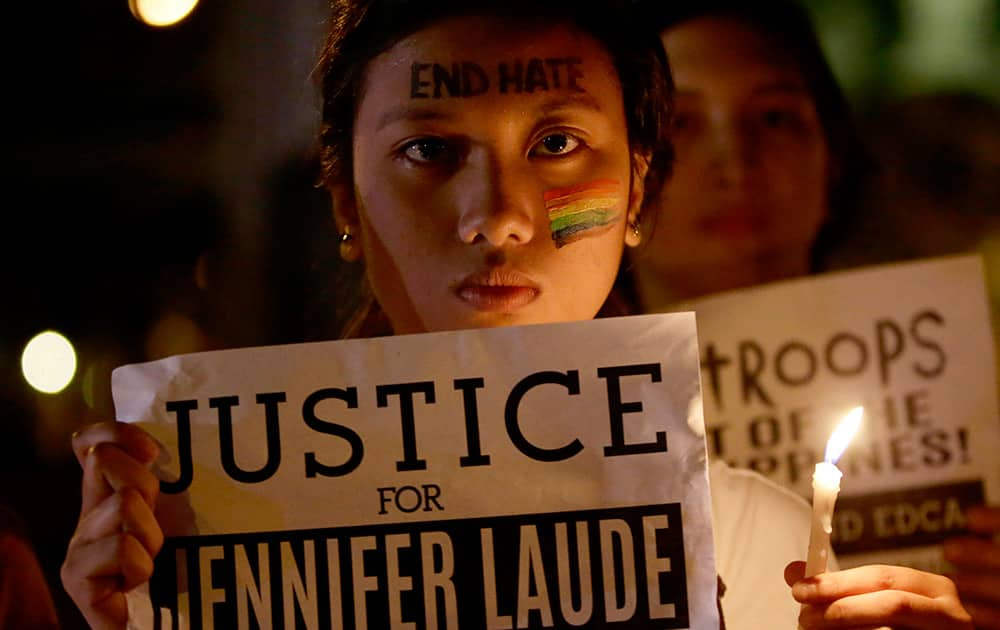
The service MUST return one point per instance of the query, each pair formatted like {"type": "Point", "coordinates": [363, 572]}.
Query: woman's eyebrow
{"type": "Point", "coordinates": [416, 113]}
{"type": "Point", "coordinates": [579, 100]}
{"type": "Point", "coordinates": [782, 87]}
{"type": "Point", "coordinates": [411, 113]}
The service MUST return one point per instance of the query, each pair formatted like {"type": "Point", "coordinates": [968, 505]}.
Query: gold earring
{"type": "Point", "coordinates": [635, 238]}
{"type": "Point", "coordinates": [348, 250]}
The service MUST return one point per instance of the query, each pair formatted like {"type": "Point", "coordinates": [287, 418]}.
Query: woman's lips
{"type": "Point", "coordinates": [734, 222]}
{"type": "Point", "coordinates": [497, 291]}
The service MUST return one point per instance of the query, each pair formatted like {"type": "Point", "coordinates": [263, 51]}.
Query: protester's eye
{"type": "Point", "coordinates": [555, 144]}
{"type": "Point", "coordinates": [428, 151]}
{"type": "Point", "coordinates": [686, 121]}
{"type": "Point", "coordinates": [779, 118]}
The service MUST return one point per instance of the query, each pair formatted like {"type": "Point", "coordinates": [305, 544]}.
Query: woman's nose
{"type": "Point", "coordinates": [733, 153]}
{"type": "Point", "coordinates": [499, 204]}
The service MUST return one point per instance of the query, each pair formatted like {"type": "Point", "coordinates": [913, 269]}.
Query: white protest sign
{"type": "Point", "coordinates": [539, 476]}
{"type": "Point", "coordinates": [783, 363]}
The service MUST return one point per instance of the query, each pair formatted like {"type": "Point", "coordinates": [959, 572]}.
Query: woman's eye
{"type": "Point", "coordinates": [686, 122]}
{"type": "Point", "coordinates": [775, 118]}
{"type": "Point", "coordinates": [555, 144]}
{"type": "Point", "coordinates": [427, 151]}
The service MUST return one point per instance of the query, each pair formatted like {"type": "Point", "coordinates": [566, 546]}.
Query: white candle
{"type": "Point", "coordinates": [826, 486]}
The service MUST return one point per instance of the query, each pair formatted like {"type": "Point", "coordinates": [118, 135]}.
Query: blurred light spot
{"type": "Point", "coordinates": [48, 362]}
{"type": "Point", "coordinates": [849, 33]}
{"type": "Point", "coordinates": [946, 44]}
{"type": "Point", "coordinates": [174, 334]}
{"type": "Point", "coordinates": [88, 386]}
{"type": "Point", "coordinates": [161, 12]}
{"type": "Point", "coordinates": [95, 384]}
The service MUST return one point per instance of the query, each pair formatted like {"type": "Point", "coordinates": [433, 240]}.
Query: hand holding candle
{"type": "Point", "coordinates": [866, 596]}
{"type": "Point", "coordinates": [826, 485]}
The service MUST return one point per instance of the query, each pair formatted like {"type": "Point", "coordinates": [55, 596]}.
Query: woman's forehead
{"type": "Point", "coordinates": [727, 49]}
{"type": "Point", "coordinates": [474, 34]}
{"type": "Point", "coordinates": [463, 57]}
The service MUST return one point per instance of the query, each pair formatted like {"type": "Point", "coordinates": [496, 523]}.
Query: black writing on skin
{"type": "Point", "coordinates": [513, 76]}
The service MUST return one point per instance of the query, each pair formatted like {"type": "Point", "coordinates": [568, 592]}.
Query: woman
{"type": "Point", "coordinates": [769, 163]}
{"type": "Point", "coordinates": [452, 132]}
{"type": "Point", "coordinates": [769, 168]}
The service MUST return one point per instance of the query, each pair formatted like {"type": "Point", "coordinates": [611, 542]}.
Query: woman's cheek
{"type": "Point", "coordinates": [583, 210]}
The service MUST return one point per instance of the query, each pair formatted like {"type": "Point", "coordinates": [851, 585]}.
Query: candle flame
{"type": "Point", "coordinates": [842, 435]}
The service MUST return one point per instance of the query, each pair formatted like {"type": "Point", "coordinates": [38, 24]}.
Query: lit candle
{"type": "Point", "coordinates": [826, 485]}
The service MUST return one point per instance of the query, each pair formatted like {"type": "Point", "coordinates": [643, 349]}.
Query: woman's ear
{"type": "Point", "coordinates": [345, 213]}
{"type": "Point", "coordinates": [636, 195]}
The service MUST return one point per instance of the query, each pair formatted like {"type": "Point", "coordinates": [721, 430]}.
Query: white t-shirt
{"type": "Point", "coordinates": [759, 527]}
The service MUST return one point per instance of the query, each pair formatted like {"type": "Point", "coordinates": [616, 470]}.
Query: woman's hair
{"type": "Point", "coordinates": [360, 30]}
{"type": "Point", "coordinates": [787, 24]}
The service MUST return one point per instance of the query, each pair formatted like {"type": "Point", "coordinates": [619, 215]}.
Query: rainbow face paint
{"type": "Point", "coordinates": [576, 211]}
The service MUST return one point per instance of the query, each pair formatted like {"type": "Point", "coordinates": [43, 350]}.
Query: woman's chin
{"type": "Point", "coordinates": [489, 319]}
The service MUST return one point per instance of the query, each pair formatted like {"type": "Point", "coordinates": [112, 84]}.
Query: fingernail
{"type": "Point", "coordinates": [150, 449]}
{"type": "Point", "coordinates": [803, 589]}
{"type": "Point", "coordinates": [161, 455]}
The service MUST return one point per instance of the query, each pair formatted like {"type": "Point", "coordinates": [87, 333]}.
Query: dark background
{"type": "Point", "coordinates": [160, 192]}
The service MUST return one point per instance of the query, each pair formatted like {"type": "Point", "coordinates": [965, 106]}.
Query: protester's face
{"type": "Point", "coordinates": [750, 180]}
{"type": "Point", "coordinates": [491, 175]}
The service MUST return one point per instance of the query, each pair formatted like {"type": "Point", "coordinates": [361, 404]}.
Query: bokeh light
{"type": "Point", "coordinates": [48, 362]}
{"type": "Point", "coordinates": [95, 381]}
{"type": "Point", "coordinates": [161, 12]}
{"type": "Point", "coordinates": [174, 334]}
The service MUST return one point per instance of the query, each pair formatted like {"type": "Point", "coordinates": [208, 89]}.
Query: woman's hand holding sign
{"type": "Point", "coordinates": [876, 596]}
{"type": "Point", "coordinates": [977, 561]}
{"type": "Point", "coordinates": [117, 535]}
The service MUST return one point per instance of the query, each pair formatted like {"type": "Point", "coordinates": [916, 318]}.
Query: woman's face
{"type": "Point", "coordinates": [491, 176]}
{"type": "Point", "coordinates": [750, 181]}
